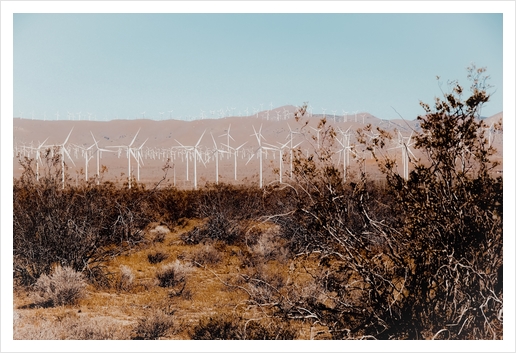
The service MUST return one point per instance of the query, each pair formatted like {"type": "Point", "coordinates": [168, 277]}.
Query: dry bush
{"type": "Point", "coordinates": [153, 326]}
{"type": "Point", "coordinates": [157, 257]}
{"type": "Point", "coordinates": [158, 234]}
{"type": "Point", "coordinates": [206, 254]}
{"type": "Point", "coordinates": [217, 327]}
{"type": "Point", "coordinates": [406, 259]}
{"type": "Point", "coordinates": [125, 280]}
{"type": "Point", "coordinates": [78, 226]}
{"type": "Point", "coordinates": [170, 275]}
{"type": "Point", "coordinates": [72, 328]}
{"type": "Point", "coordinates": [227, 210]}
{"type": "Point", "coordinates": [64, 286]}
{"type": "Point", "coordinates": [269, 245]}
{"type": "Point", "coordinates": [233, 327]}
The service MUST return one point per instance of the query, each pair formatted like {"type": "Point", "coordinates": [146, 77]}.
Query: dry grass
{"type": "Point", "coordinates": [116, 312]}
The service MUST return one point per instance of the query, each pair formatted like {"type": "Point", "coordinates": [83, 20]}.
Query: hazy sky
{"type": "Point", "coordinates": [121, 65]}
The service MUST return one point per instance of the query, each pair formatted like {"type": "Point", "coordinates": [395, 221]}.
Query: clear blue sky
{"type": "Point", "coordinates": [121, 65]}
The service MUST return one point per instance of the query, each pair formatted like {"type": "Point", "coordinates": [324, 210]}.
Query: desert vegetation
{"type": "Point", "coordinates": [328, 254]}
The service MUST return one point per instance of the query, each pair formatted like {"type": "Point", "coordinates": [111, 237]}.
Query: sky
{"type": "Point", "coordinates": [186, 66]}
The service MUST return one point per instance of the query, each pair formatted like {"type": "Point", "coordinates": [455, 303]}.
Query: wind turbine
{"type": "Point", "coordinates": [346, 148]}
{"type": "Point", "coordinates": [38, 158]}
{"type": "Point", "coordinates": [87, 157]}
{"type": "Point", "coordinates": [259, 137]}
{"type": "Point", "coordinates": [228, 136]}
{"type": "Point", "coordinates": [317, 130]}
{"type": "Point", "coordinates": [216, 151]}
{"type": "Point", "coordinates": [195, 150]}
{"type": "Point", "coordinates": [98, 151]}
{"type": "Point", "coordinates": [405, 151]}
{"type": "Point", "coordinates": [136, 152]}
{"type": "Point", "coordinates": [291, 135]}
{"type": "Point", "coordinates": [235, 153]}
{"type": "Point", "coordinates": [63, 151]}
{"type": "Point", "coordinates": [280, 150]}
{"type": "Point", "coordinates": [129, 152]}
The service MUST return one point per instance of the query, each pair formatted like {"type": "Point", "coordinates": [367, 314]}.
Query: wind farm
{"type": "Point", "coordinates": [229, 150]}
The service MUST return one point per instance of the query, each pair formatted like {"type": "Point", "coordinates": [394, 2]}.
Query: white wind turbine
{"type": "Point", "coordinates": [259, 150]}
{"type": "Point", "coordinates": [235, 153]}
{"type": "Point", "coordinates": [98, 151]}
{"type": "Point", "coordinates": [227, 134]}
{"type": "Point", "coordinates": [291, 141]}
{"type": "Point", "coordinates": [318, 131]}
{"type": "Point", "coordinates": [62, 152]}
{"type": "Point", "coordinates": [195, 150]}
{"type": "Point", "coordinates": [216, 151]}
{"type": "Point", "coordinates": [38, 158]}
{"type": "Point", "coordinates": [372, 138]}
{"type": "Point", "coordinates": [346, 149]}
{"type": "Point", "coordinates": [129, 153]}
{"type": "Point", "coordinates": [280, 150]}
{"type": "Point", "coordinates": [87, 157]}
{"type": "Point", "coordinates": [137, 154]}
{"type": "Point", "coordinates": [405, 151]}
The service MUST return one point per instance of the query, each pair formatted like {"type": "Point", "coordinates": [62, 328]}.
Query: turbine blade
{"type": "Point", "coordinates": [43, 143]}
{"type": "Point", "coordinates": [242, 145]}
{"type": "Point", "coordinates": [64, 143]}
{"type": "Point", "coordinates": [134, 138]}
{"type": "Point", "coordinates": [94, 139]}
{"type": "Point", "coordinates": [69, 157]}
{"type": "Point", "coordinates": [197, 144]}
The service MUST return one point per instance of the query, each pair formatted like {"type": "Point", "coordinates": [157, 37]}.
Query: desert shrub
{"type": "Point", "coordinates": [170, 275]}
{"type": "Point", "coordinates": [158, 234]}
{"type": "Point", "coordinates": [227, 210]}
{"type": "Point", "coordinates": [64, 286]}
{"type": "Point", "coordinates": [270, 330]}
{"type": "Point", "coordinates": [71, 328]}
{"type": "Point", "coordinates": [175, 206]}
{"type": "Point", "coordinates": [77, 226]}
{"type": "Point", "coordinates": [428, 267]}
{"type": "Point", "coordinates": [157, 257]}
{"type": "Point", "coordinates": [125, 280]}
{"type": "Point", "coordinates": [233, 327]}
{"type": "Point", "coordinates": [153, 326]}
{"type": "Point", "coordinates": [206, 254]}
{"type": "Point", "coordinates": [217, 327]}
{"type": "Point", "coordinates": [269, 245]}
